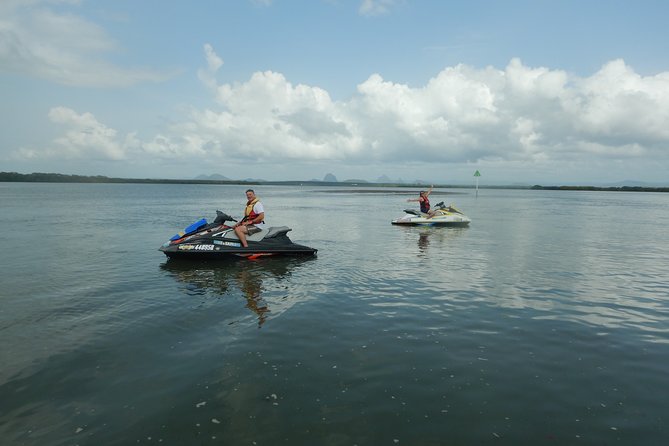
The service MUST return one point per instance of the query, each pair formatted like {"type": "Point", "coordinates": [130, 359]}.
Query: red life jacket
{"type": "Point", "coordinates": [249, 213]}
{"type": "Point", "coordinates": [425, 205]}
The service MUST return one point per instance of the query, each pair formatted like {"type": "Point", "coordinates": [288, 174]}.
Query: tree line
{"type": "Point", "coordinates": [38, 177]}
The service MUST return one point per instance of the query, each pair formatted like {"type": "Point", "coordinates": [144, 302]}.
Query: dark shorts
{"type": "Point", "coordinates": [251, 229]}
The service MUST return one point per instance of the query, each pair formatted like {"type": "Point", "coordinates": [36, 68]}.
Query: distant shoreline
{"type": "Point", "coordinates": [14, 177]}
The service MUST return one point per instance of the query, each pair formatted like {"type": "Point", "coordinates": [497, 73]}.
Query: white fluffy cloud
{"type": "Point", "coordinates": [86, 137]}
{"type": "Point", "coordinates": [620, 105]}
{"type": "Point", "coordinates": [463, 114]}
{"type": "Point", "coordinates": [519, 114]}
{"type": "Point", "coordinates": [62, 48]}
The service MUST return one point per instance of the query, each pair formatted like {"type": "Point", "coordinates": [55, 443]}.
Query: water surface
{"type": "Point", "coordinates": [544, 321]}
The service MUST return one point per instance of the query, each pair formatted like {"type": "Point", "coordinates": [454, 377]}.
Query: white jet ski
{"type": "Point", "coordinates": [443, 216]}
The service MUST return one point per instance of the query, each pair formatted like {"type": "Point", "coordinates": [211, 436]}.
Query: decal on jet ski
{"type": "Point", "coordinates": [220, 242]}
{"type": "Point", "coordinates": [196, 247]}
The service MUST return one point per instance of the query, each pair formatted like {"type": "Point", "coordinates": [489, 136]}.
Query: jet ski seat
{"type": "Point", "coordinates": [277, 230]}
{"type": "Point", "coordinates": [261, 233]}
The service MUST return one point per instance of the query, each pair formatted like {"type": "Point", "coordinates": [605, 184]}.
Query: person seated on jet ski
{"type": "Point", "coordinates": [254, 218]}
{"type": "Point", "coordinates": [424, 202]}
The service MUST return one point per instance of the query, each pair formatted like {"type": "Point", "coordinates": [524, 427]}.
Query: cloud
{"type": "Point", "coordinates": [463, 114]}
{"type": "Point", "coordinates": [620, 105]}
{"type": "Point", "coordinates": [214, 63]}
{"type": "Point", "coordinates": [267, 117]}
{"type": "Point", "coordinates": [375, 7]}
{"type": "Point", "coordinates": [61, 47]}
{"type": "Point", "coordinates": [519, 115]}
{"type": "Point", "coordinates": [85, 137]}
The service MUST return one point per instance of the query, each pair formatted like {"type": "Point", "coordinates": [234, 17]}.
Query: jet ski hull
{"type": "Point", "coordinates": [212, 251]}
{"type": "Point", "coordinates": [420, 221]}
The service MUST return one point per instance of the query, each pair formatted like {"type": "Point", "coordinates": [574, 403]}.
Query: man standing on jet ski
{"type": "Point", "coordinates": [424, 202]}
{"type": "Point", "coordinates": [254, 218]}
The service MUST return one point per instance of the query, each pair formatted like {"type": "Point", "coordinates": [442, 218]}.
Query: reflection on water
{"type": "Point", "coordinates": [254, 280]}
{"type": "Point", "coordinates": [437, 237]}
{"type": "Point", "coordinates": [250, 282]}
{"type": "Point", "coordinates": [423, 240]}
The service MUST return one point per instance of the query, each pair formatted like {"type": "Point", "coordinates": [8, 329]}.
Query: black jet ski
{"type": "Point", "coordinates": [218, 240]}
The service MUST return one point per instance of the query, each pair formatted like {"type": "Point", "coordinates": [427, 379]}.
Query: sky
{"type": "Point", "coordinates": [524, 91]}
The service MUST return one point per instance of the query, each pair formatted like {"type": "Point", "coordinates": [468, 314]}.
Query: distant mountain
{"type": "Point", "coordinates": [329, 178]}
{"type": "Point", "coordinates": [385, 179]}
{"type": "Point", "coordinates": [213, 177]}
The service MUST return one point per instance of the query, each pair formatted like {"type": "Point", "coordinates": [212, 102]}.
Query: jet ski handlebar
{"type": "Point", "coordinates": [222, 217]}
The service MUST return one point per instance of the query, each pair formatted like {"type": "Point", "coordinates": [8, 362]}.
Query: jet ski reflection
{"type": "Point", "coordinates": [261, 283]}
{"type": "Point", "coordinates": [431, 238]}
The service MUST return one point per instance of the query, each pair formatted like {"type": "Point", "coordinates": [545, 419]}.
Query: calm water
{"type": "Point", "coordinates": [545, 322]}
